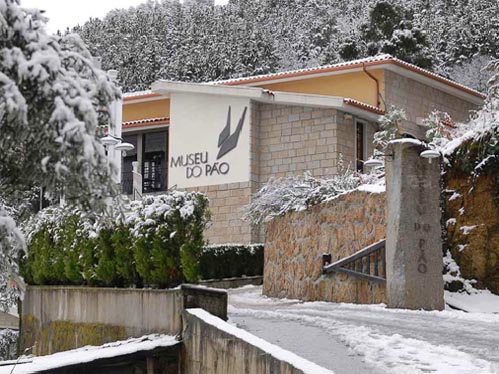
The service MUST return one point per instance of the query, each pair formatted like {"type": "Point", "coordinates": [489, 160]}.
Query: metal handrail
{"type": "Point", "coordinates": [356, 260]}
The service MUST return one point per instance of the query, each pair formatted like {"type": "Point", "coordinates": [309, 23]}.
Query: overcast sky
{"type": "Point", "coordinates": [67, 13]}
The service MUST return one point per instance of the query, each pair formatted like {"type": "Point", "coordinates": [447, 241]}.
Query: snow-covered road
{"type": "Point", "coordinates": [359, 339]}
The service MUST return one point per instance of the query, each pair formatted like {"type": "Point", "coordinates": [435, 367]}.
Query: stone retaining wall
{"type": "Point", "coordinates": [472, 217]}
{"type": "Point", "coordinates": [295, 244]}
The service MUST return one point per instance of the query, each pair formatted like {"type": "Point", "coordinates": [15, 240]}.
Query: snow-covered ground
{"type": "Point", "coordinates": [477, 301]}
{"type": "Point", "coordinates": [348, 338]}
{"type": "Point", "coordinates": [87, 354]}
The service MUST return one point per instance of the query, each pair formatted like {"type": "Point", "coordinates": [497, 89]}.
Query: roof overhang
{"type": "Point", "coordinates": [384, 62]}
{"type": "Point", "coordinates": [166, 88]}
{"type": "Point", "coordinates": [140, 97]}
{"type": "Point", "coordinates": [145, 124]}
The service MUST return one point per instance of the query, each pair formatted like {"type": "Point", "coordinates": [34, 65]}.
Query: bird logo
{"type": "Point", "coordinates": [227, 141]}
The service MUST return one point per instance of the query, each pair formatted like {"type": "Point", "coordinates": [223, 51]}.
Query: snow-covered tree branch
{"type": "Point", "coordinates": [52, 98]}
{"type": "Point", "coordinates": [296, 193]}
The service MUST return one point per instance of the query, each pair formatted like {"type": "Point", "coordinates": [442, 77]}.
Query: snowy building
{"type": "Point", "coordinates": [228, 138]}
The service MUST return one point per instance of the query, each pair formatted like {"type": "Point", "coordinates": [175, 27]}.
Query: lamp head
{"type": "Point", "coordinates": [109, 140]}
{"type": "Point", "coordinates": [372, 162]}
{"type": "Point", "coordinates": [430, 154]}
{"type": "Point", "coordinates": [124, 147]}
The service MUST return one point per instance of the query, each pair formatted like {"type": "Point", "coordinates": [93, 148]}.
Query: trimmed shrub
{"type": "Point", "coordinates": [231, 260]}
{"type": "Point", "coordinates": [156, 242]}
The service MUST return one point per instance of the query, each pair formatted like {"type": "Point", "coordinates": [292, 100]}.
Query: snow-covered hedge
{"type": "Point", "coordinates": [231, 260]}
{"type": "Point", "coordinates": [296, 193]}
{"type": "Point", "coordinates": [154, 242]}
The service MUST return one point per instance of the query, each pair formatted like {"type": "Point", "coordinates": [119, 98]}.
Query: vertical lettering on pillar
{"type": "Point", "coordinates": [420, 226]}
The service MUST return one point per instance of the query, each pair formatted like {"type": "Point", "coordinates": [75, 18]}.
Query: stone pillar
{"type": "Point", "coordinates": [414, 259]}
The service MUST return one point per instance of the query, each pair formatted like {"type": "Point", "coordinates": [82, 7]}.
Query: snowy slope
{"type": "Point", "coordinates": [385, 340]}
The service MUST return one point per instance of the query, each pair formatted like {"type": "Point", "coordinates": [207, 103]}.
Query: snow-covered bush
{"type": "Point", "coordinates": [156, 241]}
{"type": "Point", "coordinates": [296, 193]}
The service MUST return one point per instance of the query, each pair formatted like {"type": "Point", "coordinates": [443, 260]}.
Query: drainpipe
{"type": "Point", "coordinates": [378, 102]}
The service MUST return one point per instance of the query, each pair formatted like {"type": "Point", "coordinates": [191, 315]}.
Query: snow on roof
{"type": "Point", "coordinates": [137, 93]}
{"type": "Point", "coordinates": [88, 354]}
{"type": "Point", "coordinates": [298, 362]}
{"type": "Point", "coordinates": [369, 61]}
{"type": "Point", "coordinates": [146, 122]}
{"type": "Point", "coordinates": [305, 71]}
{"type": "Point", "coordinates": [129, 96]}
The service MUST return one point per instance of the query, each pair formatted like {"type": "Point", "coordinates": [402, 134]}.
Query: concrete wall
{"type": "Point", "coordinates": [212, 346]}
{"type": "Point", "coordinates": [212, 300]}
{"type": "Point", "coordinates": [296, 241]}
{"type": "Point", "coordinates": [60, 318]}
{"type": "Point", "coordinates": [419, 100]}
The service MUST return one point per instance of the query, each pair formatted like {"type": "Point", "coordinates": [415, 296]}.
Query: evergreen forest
{"type": "Point", "coordinates": [199, 41]}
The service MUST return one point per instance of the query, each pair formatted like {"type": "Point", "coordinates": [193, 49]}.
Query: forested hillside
{"type": "Point", "coordinates": [199, 42]}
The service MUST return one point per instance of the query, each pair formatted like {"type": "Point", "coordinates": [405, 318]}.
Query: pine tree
{"type": "Point", "coordinates": [390, 29]}
{"type": "Point", "coordinates": [52, 98]}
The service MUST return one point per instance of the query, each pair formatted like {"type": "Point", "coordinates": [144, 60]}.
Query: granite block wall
{"type": "Point", "coordinates": [419, 100]}
{"type": "Point", "coordinates": [226, 204]}
{"type": "Point", "coordinates": [295, 139]}
{"type": "Point", "coordinates": [296, 241]}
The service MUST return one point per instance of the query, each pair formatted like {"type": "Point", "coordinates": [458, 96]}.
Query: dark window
{"type": "Point", "coordinates": [154, 165]}
{"type": "Point", "coordinates": [359, 146]}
